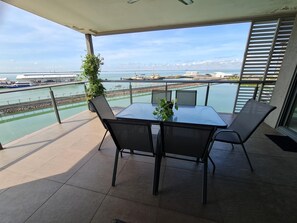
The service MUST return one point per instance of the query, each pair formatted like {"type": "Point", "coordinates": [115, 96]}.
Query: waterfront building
{"type": "Point", "coordinates": [47, 78]}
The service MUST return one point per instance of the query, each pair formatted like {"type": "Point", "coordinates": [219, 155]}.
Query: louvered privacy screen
{"type": "Point", "coordinates": [263, 58]}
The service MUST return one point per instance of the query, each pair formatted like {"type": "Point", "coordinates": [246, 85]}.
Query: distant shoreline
{"type": "Point", "coordinates": [117, 75]}
{"type": "Point", "coordinates": [190, 75]}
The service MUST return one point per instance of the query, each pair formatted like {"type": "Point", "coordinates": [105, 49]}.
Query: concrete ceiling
{"type": "Point", "coordinates": [103, 17]}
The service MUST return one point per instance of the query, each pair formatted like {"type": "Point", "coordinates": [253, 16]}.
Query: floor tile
{"type": "Point", "coordinates": [250, 202]}
{"type": "Point", "coordinates": [135, 183]}
{"type": "Point", "coordinates": [279, 204]}
{"type": "Point", "coordinates": [182, 164]}
{"type": "Point", "coordinates": [60, 169]}
{"type": "Point", "coordinates": [10, 179]}
{"type": "Point", "coordinates": [96, 175]}
{"type": "Point", "coordinates": [181, 191]}
{"type": "Point", "coordinates": [68, 204]}
{"type": "Point", "coordinates": [267, 169]}
{"type": "Point", "coordinates": [167, 216]}
{"type": "Point", "coordinates": [127, 211]}
{"type": "Point", "coordinates": [18, 203]}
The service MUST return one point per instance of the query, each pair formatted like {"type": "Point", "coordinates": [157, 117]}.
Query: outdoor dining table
{"type": "Point", "coordinates": [197, 115]}
{"type": "Point", "coordinates": [200, 115]}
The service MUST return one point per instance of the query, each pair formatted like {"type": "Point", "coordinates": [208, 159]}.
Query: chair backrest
{"type": "Point", "coordinates": [250, 117]}
{"type": "Point", "coordinates": [102, 108]}
{"type": "Point", "coordinates": [186, 139]}
{"type": "Point", "coordinates": [157, 95]}
{"type": "Point", "coordinates": [186, 97]}
{"type": "Point", "coordinates": [131, 134]}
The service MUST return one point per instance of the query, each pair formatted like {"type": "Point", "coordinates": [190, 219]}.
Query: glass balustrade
{"type": "Point", "coordinates": [23, 111]}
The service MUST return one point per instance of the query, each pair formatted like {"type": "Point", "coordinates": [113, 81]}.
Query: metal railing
{"type": "Point", "coordinates": [51, 93]}
{"type": "Point", "coordinates": [258, 85]}
{"type": "Point", "coordinates": [129, 91]}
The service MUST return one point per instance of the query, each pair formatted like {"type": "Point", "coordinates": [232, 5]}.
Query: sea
{"type": "Point", "coordinates": [117, 75]}
{"type": "Point", "coordinates": [69, 90]}
{"type": "Point", "coordinates": [221, 98]}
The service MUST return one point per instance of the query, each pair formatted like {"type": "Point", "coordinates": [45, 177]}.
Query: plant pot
{"type": "Point", "coordinates": [170, 104]}
{"type": "Point", "coordinates": [91, 107]}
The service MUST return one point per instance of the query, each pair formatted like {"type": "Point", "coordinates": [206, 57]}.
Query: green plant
{"type": "Point", "coordinates": [91, 68]}
{"type": "Point", "coordinates": [164, 110]}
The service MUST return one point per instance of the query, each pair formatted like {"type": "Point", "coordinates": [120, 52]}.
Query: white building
{"type": "Point", "coordinates": [47, 78]}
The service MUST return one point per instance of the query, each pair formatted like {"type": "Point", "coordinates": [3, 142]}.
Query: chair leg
{"type": "Point", "coordinates": [247, 157]}
{"type": "Point", "coordinates": [204, 187]}
{"type": "Point", "coordinates": [115, 167]}
{"type": "Point", "coordinates": [158, 159]}
{"type": "Point", "coordinates": [213, 164]}
{"type": "Point", "coordinates": [102, 140]}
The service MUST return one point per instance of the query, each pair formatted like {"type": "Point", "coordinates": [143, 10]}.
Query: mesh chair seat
{"type": "Point", "coordinates": [103, 111]}
{"type": "Point", "coordinates": [157, 95]}
{"type": "Point", "coordinates": [186, 97]}
{"type": "Point", "coordinates": [187, 140]}
{"type": "Point", "coordinates": [136, 136]}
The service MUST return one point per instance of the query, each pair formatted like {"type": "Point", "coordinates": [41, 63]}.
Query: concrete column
{"type": "Point", "coordinates": [283, 84]}
{"type": "Point", "coordinates": [89, 42]}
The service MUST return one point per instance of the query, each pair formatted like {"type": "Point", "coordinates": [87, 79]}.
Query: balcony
{"type": "Point", "coordinates": [58, 175]}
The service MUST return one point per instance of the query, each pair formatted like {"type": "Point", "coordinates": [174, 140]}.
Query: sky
{"type": "Point", "coordinates": [29, 43]}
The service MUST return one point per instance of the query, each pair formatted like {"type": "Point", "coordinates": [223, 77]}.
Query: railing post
{"type": "Point", "coordinates": [255, 92]}
{"type": "Point", "coordinates": [1, 146]}
{"type": "Point", "coordinates": [206, 95]}
{"type": "Point", "coordinates": [85, 87]}
{"type": "Point", "coordinates": [166, 87]}
{"type": "Point", "coordinates": [130, 88]}
{"type": "Point", "coordinates": [55, 105]}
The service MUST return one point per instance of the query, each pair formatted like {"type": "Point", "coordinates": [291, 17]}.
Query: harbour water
{"type": "Point", "coordinates": [221, 97]}
{"type": "Point", "coordinates": [69, 90]}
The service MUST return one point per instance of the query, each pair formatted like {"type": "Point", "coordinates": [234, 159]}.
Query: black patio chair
{"type": "Point", "coordinates": [246, 122]}
{"type": "Point", "coordinates": [187, 142]}
{"type": "Point", "coordinates": [157, 95]}
{"type": "Point", "coordinates": [103, 111]}
{"type": "Point", "coordinates": [186, 97]}
{"type": "Point", "coordinates": [135, 136]}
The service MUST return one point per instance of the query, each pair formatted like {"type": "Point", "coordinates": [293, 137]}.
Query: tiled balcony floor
{"type": "Point", "coordinates": [57, 175]}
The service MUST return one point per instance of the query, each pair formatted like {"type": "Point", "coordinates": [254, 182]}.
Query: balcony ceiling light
{"type": "Point", "coordinates": [187, 2]}
{"type": "Point", "coordinates": [132, 1]}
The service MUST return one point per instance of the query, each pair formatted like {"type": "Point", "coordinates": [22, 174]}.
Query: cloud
{"type": "Point", "coordinates": [32, 43]}
{"type": "Point", "coordinates": [219, 65]}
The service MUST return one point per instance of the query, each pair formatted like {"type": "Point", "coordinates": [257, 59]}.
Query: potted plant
{"type": "Point", "coordinates": [91, 68]}
{"type": "Point", "coordinates": [164, 110]}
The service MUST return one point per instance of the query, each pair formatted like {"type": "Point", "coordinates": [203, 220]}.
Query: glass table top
{"type": "Point", "coordinates": [202, 115]}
